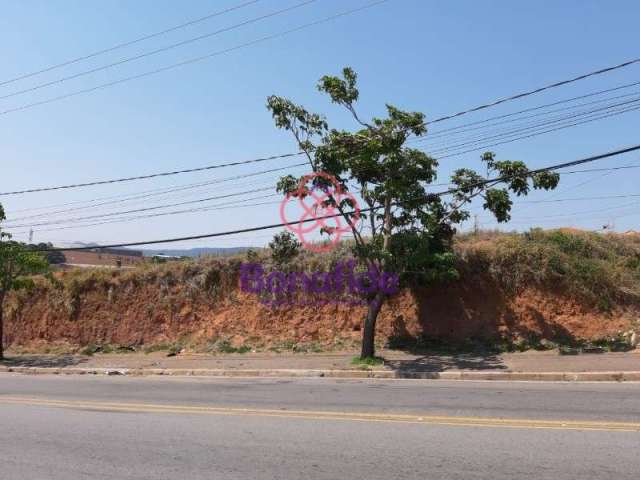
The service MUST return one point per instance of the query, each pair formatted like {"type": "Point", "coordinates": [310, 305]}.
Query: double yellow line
{"type": "Point", "coordinates": [325, 415]}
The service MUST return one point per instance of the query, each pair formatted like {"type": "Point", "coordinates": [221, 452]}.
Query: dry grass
{"type": "Point", "coordinates": [603, 269]}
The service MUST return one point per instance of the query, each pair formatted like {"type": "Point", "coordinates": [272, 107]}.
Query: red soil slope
{"type": "Point", "coordinates": [136, 313]}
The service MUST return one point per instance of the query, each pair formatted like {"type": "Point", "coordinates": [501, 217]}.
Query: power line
{"type": "Point", "coordinates": [209, 208]}
{"type": "Point", "coordinates": [216, 207]}
{"type": "Point", "coordinates": [537, 90]}
{"type": "Point", "coordinates": [531, 135]}
{"type": "Point", "coordinates": [545, 169]}
{"type": "Point", "coordinates": [448, 133]}
{"type": "Point", "coordinates": [526, 110]}
{"type": "Point", "coordinates": [129, 43]}
{"type": "Point", "coordinates": [236, 204]}
{"type": "Point", "coordinates": [497, 102]}
{"type": "Point", "coordinates": [530, 130]}
{"type": "Point", "coordinates": [598, 72]}
{"type": "Point", "coordinates": [528, 93]}
{"type": "Point", "coordinates": [211, 167]}
{"type": "Point", "coordinates": [595, 197]}
{"type": "Point", "coordinates": [145, 209]}
{"type": "Point", "coordinates": [279, 225]}
{"type": "Point", "coordinates": [590, 113]}
{"type": "Point", "coordinates": [157, 192]}
{"type": "Point", "coordinates": [153, 175]}
{"type": "Point", "coordinates": [563, 191]}
{"type": "Point", "coordinates": [195, 59]}
{"type": "Point", "coordinates": [588, 170]}
{"type": "Point", "coordinates": [90, 203]}
{"type": "Point", "coordinates": [158, 50]}
{"type": "Point", "coordinates": [624, 167]}
{"type": "Point", "coordinates": [207, 199]}
{"type": "Point", "coordinates": [582, 212]}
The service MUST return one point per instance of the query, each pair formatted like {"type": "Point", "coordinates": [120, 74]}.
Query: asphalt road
{"type": "Point", "coordinates": [149, 428]}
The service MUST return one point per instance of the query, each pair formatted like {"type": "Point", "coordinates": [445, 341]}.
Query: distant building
{"type": "Point", "coordinates": [103, 257]}
{"type": "Point", "coordinates": [162, 258]}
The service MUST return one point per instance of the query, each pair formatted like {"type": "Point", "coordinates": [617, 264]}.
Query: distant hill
{"type": "Point", "coordinates": [195, 252]}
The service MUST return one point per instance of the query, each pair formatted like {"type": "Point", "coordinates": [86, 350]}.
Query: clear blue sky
{"type": "Point", "coordinates": [438, 57]}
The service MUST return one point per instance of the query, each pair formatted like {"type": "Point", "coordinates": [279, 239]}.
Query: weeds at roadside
{"type": "Point", "coordinates": [172, 349]}
{"type": "Point", "coordinates": [106, 348]}
{"type": "Point", "coordinates": [367, 363]}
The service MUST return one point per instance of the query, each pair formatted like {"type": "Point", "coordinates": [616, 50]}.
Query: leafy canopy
{"type": "Point", "coordinates": [284, 248]}
{"type": "Point", "coordinates": [408, 229]}
{"type": "Point", "coordinates": [17, 263]}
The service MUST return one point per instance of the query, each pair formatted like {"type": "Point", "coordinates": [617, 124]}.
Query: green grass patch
{"type": "Point", "coordinates": [367, 362]}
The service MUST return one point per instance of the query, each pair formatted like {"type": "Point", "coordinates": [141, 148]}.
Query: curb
{"type": "Point", "coordinates": [630, 376]}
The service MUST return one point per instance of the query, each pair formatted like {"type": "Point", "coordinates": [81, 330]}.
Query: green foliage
{"type": "Point", "coordinates": [17, 265]}
{"type": "Point", "coordinates": [410, 229]}
{"type": "Point", "coordinates": [17, 262]}
{"type": "Point", "coordinates": [284, 248]}
{"type": "Point", "coordinates": [497, 200]}
{"type": "Point", "coordinates": [54, 258]}
{"type": "Point", "coordinates": [367, 362]}
{"type": "Point", "coordinates": [224, 345]}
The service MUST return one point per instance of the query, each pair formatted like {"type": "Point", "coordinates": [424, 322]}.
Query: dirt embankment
{"type": "Point", "coordinates": [557, 285]}
{"type": "Point", "coordinates": [125, 309]}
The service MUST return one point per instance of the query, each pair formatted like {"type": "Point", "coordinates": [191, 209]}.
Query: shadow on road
{"type": "Point", "coordinates": [42, 361]}
{"type": "Point", "coordinates": [441, 363]}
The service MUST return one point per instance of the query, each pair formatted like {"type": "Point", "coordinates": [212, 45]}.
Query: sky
{"type": "Point", "coordinates": [437, 57]}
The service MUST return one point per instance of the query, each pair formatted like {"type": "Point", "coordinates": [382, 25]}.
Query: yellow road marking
{"type": "Point", "coordinates": [326, 415]}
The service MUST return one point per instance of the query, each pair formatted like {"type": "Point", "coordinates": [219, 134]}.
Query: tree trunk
{"type": "Point", "coordinates": [369, 332]}
{"type": "Point", "coordinates": [1, 326]}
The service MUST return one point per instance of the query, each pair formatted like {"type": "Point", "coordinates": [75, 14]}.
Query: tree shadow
{"type": "Point", "coordinates": [443, 362]}
{"type": "Point", "coordinates": [44, 361]}
{"type": "Point", "coordinates": [467, 326]}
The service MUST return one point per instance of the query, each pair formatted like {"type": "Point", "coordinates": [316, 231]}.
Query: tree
{"type": "Point", "coordinates": [410, 231]}
{"type": "Point", "coordinates": [17, 263]}
{"type": "Point", "coordinates": [284, 248]}
{"type": "Point", "coordinates": [53, 257]}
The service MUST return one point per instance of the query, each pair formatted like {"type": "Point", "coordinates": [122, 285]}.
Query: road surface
{"type": "Point", "coordinates": [80, 427]}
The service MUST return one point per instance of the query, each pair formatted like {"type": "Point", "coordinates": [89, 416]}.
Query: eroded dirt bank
{"type": "Point", "coordinates": [128, 311]}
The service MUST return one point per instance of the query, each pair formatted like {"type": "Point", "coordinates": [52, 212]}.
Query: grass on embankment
{"type": "Point", "coordinates": [600, 269]}
{"type": "Point", "coordinates": [603, 269]}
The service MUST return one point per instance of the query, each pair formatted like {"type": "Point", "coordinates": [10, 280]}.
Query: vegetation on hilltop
{"type": "Point", "coordinates": [583, 281]}
{"type": "Point", "coordinates": [602, 269]}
